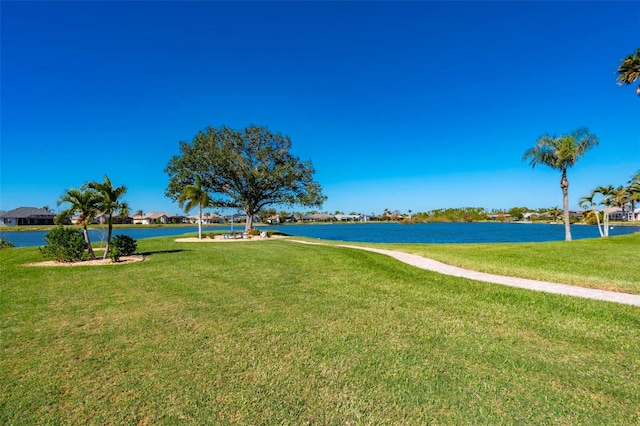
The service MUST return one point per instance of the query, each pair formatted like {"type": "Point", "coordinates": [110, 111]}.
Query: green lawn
{"type": "Point", "coordinates": [273, 332]}
{"type": "Point", "coordinates": [605, 263]}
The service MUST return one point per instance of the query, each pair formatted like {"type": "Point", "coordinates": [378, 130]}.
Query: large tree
{"type": "Point", "coordinates": [629, 70]}
{"type": "Point", "coordinates": [111, 204]}
{"type": "Point", "coordinates": [247, 169]}
{"type": "Point", "coordinates": [560, 153]}
{"type": "Point", "coordinates": [84, 202]}
{"type": "Point", "coordinates": [192, 196]}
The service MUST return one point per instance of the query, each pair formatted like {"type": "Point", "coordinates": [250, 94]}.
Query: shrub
{"type": "Point", "coordinates": [122, 245]}
{"type": "Point", "coordinates": [5, 244]}
{"type": "Point", "coordinates": [64, 244]}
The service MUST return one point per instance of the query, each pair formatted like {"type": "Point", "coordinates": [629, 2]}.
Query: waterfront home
{"type": "Point", "coordinates": [618, 214]}
{"type": "Point", "coordinates": [27, 216]}
{"type": "Point", "coordinates": [206, 219]}
{"type": "Point", "coordinates": [158, 217]}
{"type": "Point", "coordinates": [319, 217]}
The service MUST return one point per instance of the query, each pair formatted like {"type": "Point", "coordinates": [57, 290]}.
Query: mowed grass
{"type": "Point", "coordinates": [604, 263]}
{"type": "Point", "coordinates": [275, 332]}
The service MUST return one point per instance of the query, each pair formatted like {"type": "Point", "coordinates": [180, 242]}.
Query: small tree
{"type": "Point", "coordinates": [122, 245]}
{"type": "Point", "coordinates": [560, 153]}
{"type": "Point", "coordinates": [110, 204]}
{"type": "Point", "coordinates": [588, 202]}
{"type": "Point", "coordinates": [83, 202]}
{"type": "Point", "coordinates": [192, 196]}
{"type": "Point", "coordinates": [247, 169]}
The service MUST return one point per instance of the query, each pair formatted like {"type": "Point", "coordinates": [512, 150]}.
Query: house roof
{"type": "Point", "coordinates": [320, 216]}
{"type": "Point", "coordinates": [26, 212]}
{"type": "Point", "coordinates": [158, 215]}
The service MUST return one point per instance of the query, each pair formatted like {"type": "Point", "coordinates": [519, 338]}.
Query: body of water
{"type": "Point", "coordinates": [485, 232]}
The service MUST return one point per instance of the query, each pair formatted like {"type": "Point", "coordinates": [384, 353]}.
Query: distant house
{"type": "Point", "coordinates": [27, 216]}
{"type": "Point", "coordinates": [157, 217]}
{"type": "Point", "coordinates": [618, 214]}
{"type": "Point", "coordinates": [576, 214]}
{"type": "Point", "coordinates": [207, 219]}
{"type": "Point", "coordinates": [241, 218]}
{"type": "Point", "coordinates": [102, 219]}
{"type": "Point", "coordinates": [349, 217]}
{"type": "Point", "coordinates": [319, 217]}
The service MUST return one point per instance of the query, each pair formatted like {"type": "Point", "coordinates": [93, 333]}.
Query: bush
{"type": "Point", "coordinates": [64, 245]}
{"type": "Point", "coordinates": [122, 245]}
{"type": "Point", "coordinates": [5, 244]}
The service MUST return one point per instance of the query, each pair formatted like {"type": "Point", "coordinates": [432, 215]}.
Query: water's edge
{"type": "Point", "coordinates": [425, 233]}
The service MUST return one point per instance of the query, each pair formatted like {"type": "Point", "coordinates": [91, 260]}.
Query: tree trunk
{"type": "Point", "coordinates": [106, 249]}
{"type": "Point", "coordinates": [564, 184]}
{"type": "Point", "coordinates": [606, 222]}
{"type": "Point", "coordinates": [598, 222]}
{"type": "Point", "coordinates": [92, 255]}
{"type": "Point", "coordinates": [199, 222]}
{"type": "Point", "coordinates": [249, 222]}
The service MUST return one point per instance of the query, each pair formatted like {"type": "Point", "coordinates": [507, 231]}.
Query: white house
{"type": "Point", "coordinates": [157, 217]}
{"type": "Point", "coordinates": [206, 218]}
{"type": "Point", "coordinates": [618, 214]}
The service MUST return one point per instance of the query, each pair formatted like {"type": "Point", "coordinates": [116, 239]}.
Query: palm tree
{"type": "Point", "coordinates": [607, 192]}
{"type": "Point", "coordinates": [110, 204]}
{"type": "Point", "coordinates": [588, 202]}
{"type": "Point", "coordinates": [140, 213]}
{"type": "Point", "coordinates": [554, 212]}
{"type": "Point", "coordinates": [192, 196]}
{"type": "Point", "coordinates": [622, 198]}
{"type": "Point", "coordinates": [85, 203]}
{"type": "Point", "coordinates": [560, 153]}
{"type": "Point", "coordinates": [634, 190]}
{"type": "Point", "coordinates": [629, 70]}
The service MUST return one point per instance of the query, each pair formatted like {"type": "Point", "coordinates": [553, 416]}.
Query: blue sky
{"type": "Point", "coordinates": [399, 105]}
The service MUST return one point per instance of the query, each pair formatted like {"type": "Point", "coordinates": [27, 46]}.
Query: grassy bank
{"type": "Point", "coordinates": [604, 263]}
{"type": "Point", "coordinates": [279, 333]}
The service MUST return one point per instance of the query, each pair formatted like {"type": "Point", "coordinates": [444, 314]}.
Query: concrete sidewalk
{"type": "Point", "coordinates": [442, 268]}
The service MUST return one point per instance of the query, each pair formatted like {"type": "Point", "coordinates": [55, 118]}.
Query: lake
{"type": "Point", "coordinates": [484, 232]}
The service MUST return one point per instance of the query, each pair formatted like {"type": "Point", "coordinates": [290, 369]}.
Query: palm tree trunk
{"type": "Point", "coordinates": [92, 255]}
{"type": "Point", "coordinates": [598, 222]}
{"type": "Point", "coordinates": [106, 249]}
{"type": "Point", "coordinates": [564, 184]}
{"type": "Point", "coordinates": [199, 222]}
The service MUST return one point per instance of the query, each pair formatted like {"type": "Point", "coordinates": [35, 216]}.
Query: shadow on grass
{"type": "Point", "coordinates": [150, 253]}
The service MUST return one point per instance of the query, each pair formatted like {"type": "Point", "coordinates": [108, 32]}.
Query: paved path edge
{"type": "Point", "coordinates": [529, 284]}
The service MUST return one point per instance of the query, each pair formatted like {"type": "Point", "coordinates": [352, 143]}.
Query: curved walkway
{"type": "Point", "coordinates": [442, 268]}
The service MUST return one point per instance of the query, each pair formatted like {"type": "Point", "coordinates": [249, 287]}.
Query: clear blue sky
{"type": "Point", "coordinates": [399, 105]}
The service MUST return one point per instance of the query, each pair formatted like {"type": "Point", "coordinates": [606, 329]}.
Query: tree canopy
{"type": "Point", "coordinates": [247, 169]}
{"type": "Point", "coordinates": [629, 70]}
